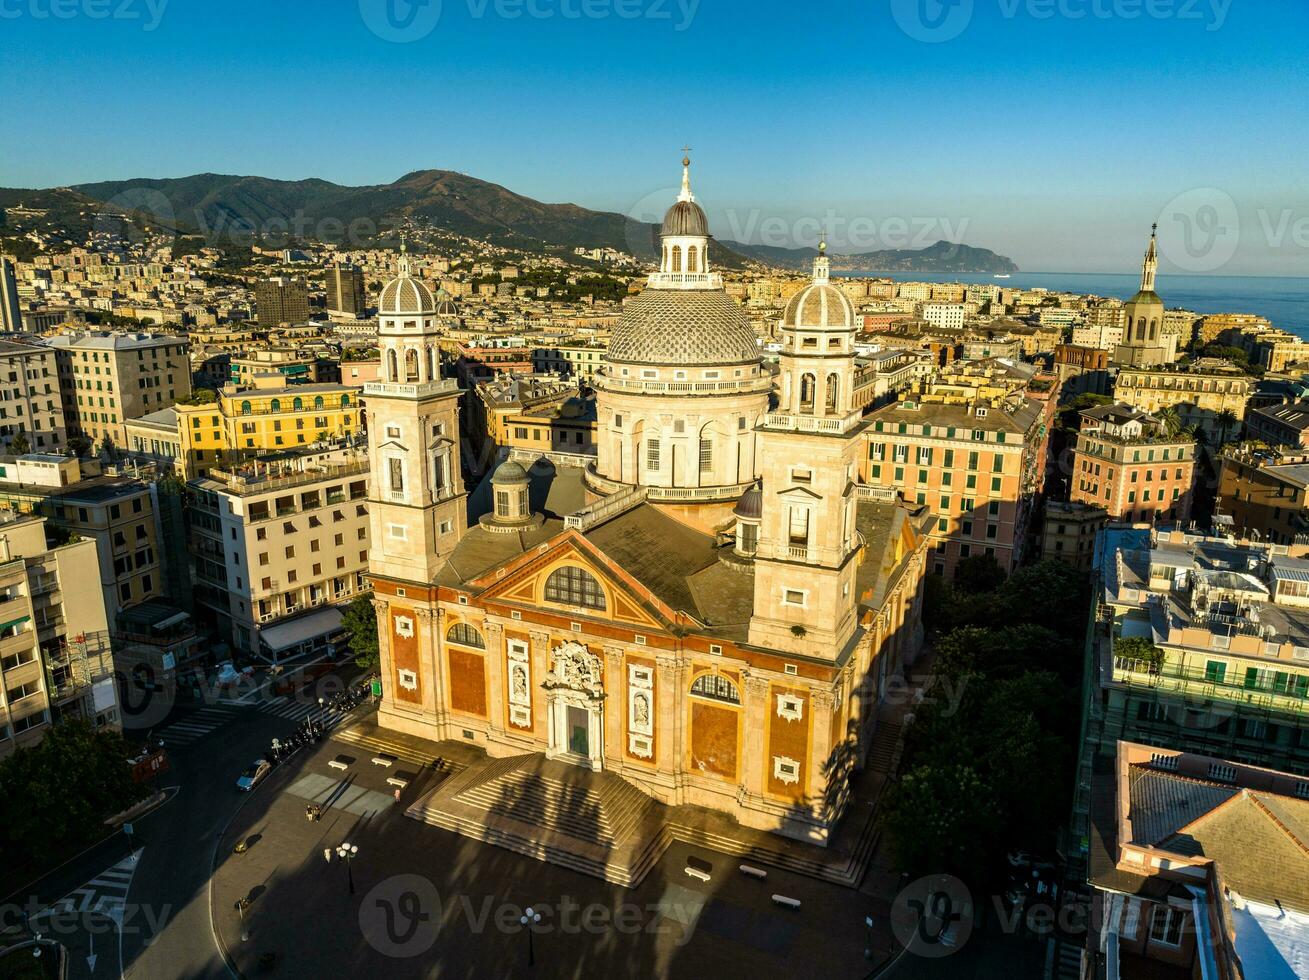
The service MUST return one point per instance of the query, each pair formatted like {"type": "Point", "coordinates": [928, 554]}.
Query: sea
{"type": "Point", "coordinates": [1284, 301]}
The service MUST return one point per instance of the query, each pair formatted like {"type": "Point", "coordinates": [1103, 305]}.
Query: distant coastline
{"type": "Point", "coordinates": [1282, 299]}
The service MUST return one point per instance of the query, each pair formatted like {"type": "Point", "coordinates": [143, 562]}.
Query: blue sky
{"type": "Point", "coordinates": [1054, 131]}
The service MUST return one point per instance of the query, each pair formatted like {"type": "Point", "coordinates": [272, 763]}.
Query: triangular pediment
{"type": "Point", "coordinates": [799, 493]}
{"type": "Point", "coordinates": [523, 581]}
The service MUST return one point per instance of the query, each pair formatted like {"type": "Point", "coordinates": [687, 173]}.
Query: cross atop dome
{"type": "Point", "coordinates": [686, 194]}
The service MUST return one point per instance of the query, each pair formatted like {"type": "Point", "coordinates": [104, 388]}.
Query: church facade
{"type": "Point", "coordinates": [711, 608]}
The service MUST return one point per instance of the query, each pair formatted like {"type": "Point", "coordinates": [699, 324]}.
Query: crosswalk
{"type": "Point", "coordinates": [106, 893]}
{"type": "Point", "coordinates": [194, 725]}
{"type": "Point", "coordinates": [1063, 961]}
{"type": "Point", "coordinates": [298, 711]}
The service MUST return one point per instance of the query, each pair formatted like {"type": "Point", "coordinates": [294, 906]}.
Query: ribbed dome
{"type": "Point", "coordinates": [683, 327]}
{"type": "Point", "coordinates": [686, 218]}
{"type": "Point", "coordinates": [510, 471]}
{"type": "Point", "coordinates": [751, 504]}
{"type": "Point", "coordinates": [820, 305]}
{"type": "Point", "coordinates": [406, 295]}
{"type": "Point", "coordinates": [445, 304]}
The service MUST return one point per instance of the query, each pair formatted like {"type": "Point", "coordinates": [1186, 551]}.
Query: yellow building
{"type": "Point", "coordinates": [245, 422]}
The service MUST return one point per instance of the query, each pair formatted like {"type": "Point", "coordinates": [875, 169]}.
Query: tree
{"type": "Point", "coordinates": [56, 794]}
{"type": "Point", "coordinates": [19, 445]}
{"type": "Point", "coordinates": [1044, 594]}
{"type": "Point", "coordinates": [936, 818]}
{"type": "Point", "coordinates": [978, 573]}
{"type": "Point", "coordinates": [107, 449]}
{"type": "Point", "coordinates": [360, 622]}
{"type": "Point", "coordinates": [1141, 650]}
{"type": "Point", "coordinates": [1171, 420]}
{"type": "Point", "coordinates": [1226, 421]}
{"type": "Point", "coordinates": [79, 445]}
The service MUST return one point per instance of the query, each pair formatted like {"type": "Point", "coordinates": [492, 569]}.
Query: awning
{"type": "Point", "coordinates": [172, 620]}
{"type": "Point", "coordinates": [14, 622]}
{"type": "Point", "coordinates": [283, 636]}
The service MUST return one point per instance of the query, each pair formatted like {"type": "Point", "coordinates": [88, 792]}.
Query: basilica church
{"type": "Point", "coordinates": [708, 609]}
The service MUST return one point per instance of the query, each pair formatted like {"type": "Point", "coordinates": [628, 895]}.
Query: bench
{"type": "Point", "coordinates": [398, 780]}
{"type": "Point", "coordinates": [697, 873]}
{"type": "Point", "coordinates": [340, 762]}
{"type": "Point", "coordinates": [790, 903]}
{"type": "Point", "coordinates": [753, 872]}
{"type": "Point", "coordinates": [384, 759]}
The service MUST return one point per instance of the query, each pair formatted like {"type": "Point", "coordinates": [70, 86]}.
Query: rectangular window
{"type": "Point", "coordinates": [1166, 925]}
{"type": "Point", "coordinates": [652, 454]}
{"type": "Point", "coordinates": [396, 469]}
{"type": "Point", "coordinates": [799, 525]}
{"type": "Point", "coordinates": [706, 456]}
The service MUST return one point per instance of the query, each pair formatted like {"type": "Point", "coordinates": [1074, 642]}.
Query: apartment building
{"type": "Point", "coordinates": [1230, 617]}
{"type": "Point", "coordinates": [281, 300]}
{"type": "Point", "coordinates": [31, 407]}
{"type": "Point", "coordinates": [295, 365]}
{"type": "Point", "coordinates": [345, 291]}
{"type": "Point", "coordinates": [1199, 867]}
{"type": "Point", "coordinates": [1210, 395]}
{"type": "Point", "coordinates": [1280, 425]}
{"type": "Point", "coordinates": [117, 513]}
{"type": "Point", "coordinates": [1265, 493]}
{"type": "Point", "coordinates": [1127, 463]}
{"type": "Point", "coordinates": [566, 427]}
{"type": "Point", "coordinates": [107, 379]}
{"type": "Point", "coordinates": [1213, 326]}
{"type": "Point", "coordinates": [977, 466]}
{"type": "Point", "coordinates": [944, 316]}
{"type": "Point", "coordinates": [492, 403]}
{"type": "Point", "coordinates": [1069, 531]}
{"type": "Point", "coordinates": [198, 435]}
{"type": "Point", "coordinates": [55, 654]}
{"type": "Point", "coordinates": [275, 544]}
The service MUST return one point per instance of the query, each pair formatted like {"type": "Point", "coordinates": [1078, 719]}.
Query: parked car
{"type": "Point", "coordinates": [228, 674]}
{"type": "Point", "coordinates": [253, 775]}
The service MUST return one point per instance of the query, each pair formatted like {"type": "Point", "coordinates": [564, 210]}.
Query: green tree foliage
{"type": "Point", "coordinates": [56, 794]}
{"type": "Point", "coordinates": [933, 816]}
{"type": "Point", "coordinates": [1140, 649]}
{"type": "Point", "coordinates": [978, 573]}
{"type": "Point", "coordinates": [360, 621]}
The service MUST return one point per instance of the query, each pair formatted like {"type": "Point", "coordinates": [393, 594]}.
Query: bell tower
{"type": "Point", "coordinates": [416, 496]}
{"type": "Point", "coordinates": [805, 592]}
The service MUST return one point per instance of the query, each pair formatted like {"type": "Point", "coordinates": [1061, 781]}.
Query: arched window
{"type": "Point", "coordinates": [298, 403]}
{"type": "Point", "coordinates": [677, 258]}
{"type": "Point", "coordinates": [573, 586]}
{"type": "Point", "coordinates": [692, 256]}
{"type": "Point", "coordinates": [245, 408]}
{"type": "Point", "coordinates": [715, 687]}
{"type": "Point", "coordinates": [318, 403]}
{"type": "Point", "coordinates": [807, 385]}
{"type": "Point", "coordinates": [392, 371]}
{"type": "Point", "coordinates": [411, 365]}
{"type": "Point", "coordinates": [275, 405]}
{"type": "Point", "coordinates": [345, 401]}
{"type": "Point", "coordinates": [832, 388]}
{"type": "Point", "coordinates": [467, 635]}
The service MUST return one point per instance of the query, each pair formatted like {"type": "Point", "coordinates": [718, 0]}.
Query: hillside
{"type": "Point", "coordinates": [941, 256]}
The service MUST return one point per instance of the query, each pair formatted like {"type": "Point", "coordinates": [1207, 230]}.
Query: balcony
{"type": "Point", "coordinates": [425, 390]}
{"type": "Point", "coordinates": [1280, 692]}
{"type": "Point", "coordinates": [811, 423]}
{"type": "Point", "coordinates": [735, 386]}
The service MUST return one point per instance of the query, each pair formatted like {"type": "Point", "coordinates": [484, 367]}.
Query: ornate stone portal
{"type": "Point", "coordinates": [575, 699]}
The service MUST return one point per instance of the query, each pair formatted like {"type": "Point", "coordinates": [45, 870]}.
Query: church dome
{"type": "Point", "coordinates": [405, 295]}
{"type": "Point", "coordinates": [683, 327]}
{"type": "Point", "coordinates": [820, 305]}
{"type": "Point", "coordinates": [510, 471]}
{"type": "Point", "coordinates": [686, 218]}
{"type": "Point", "coordinates": [751, 504]}
{"type": "Point", "coordinates": [445, 304]}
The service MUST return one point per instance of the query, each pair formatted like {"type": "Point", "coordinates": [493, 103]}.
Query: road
{"type": "Point", "coordinates": [142, 901]}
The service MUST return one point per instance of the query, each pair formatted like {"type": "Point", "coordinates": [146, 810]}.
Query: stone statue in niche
{"type": "Point", "coordinates": [574, 667]}
{"type": "Point", "coordinates": [519, 690]}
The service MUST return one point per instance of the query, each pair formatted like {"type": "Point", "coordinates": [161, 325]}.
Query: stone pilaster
{"type": "Point", "coordinates": [385, 665]}
{"type": "Point", "coordinates": [754, 717]}
{"type": "Point", "coordinates": [428, 661]}
{"type": "Point", "coordinates": [615, 748]}
{"type": "Point", "coordinates": [539, 652]}
{"type": "Point", "coordinates": [820, 749]}
{"type": "Point", "coordinates": [496, 708]}
{"type": "Point", "coordinates": [669, 672]}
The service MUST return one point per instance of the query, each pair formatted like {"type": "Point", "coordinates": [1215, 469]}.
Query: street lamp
{"type": "Point", "coordinates": [345, 852]}
{"type": "Point", "coordinates": [529, 919]}
{"type": "Point", "coordinates": [868, 941]}
{"type": "Point", "coordinates": [242, 904]}
{"type": "Point", "coordinates": [322, 711]}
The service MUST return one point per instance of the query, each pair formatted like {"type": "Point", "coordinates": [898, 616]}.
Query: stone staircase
{"type": "Point", "coordinates": [604, 810]}
{"type": "Point", "coordinates": [883, 754]}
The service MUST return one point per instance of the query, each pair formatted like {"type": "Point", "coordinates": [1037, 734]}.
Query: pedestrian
{"type": "Point", "coordinates": [397, 794]}
{"type": "Point", "coordinates": [327, 854]}
{"type": "Point", "coordinates": [309, 812]}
